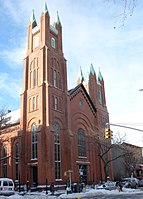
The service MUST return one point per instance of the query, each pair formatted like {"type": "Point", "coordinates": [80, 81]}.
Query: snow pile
{"type": "Point", "coordinates": [89, 194]}
{"type": "Point", "coordinates": [94, 192]}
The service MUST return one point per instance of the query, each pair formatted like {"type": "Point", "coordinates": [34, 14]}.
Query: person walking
{"type": "Point", "coordinates": [120, 186]}
{"type": "Point", "coordinates": [52, 188]}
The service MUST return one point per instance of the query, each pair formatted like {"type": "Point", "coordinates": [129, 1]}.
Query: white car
{"type": "Point", "coordinates": [6, 186]}
{"type": "Point", "coordinates": [109, 185]}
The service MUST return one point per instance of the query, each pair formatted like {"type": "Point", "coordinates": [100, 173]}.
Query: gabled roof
{"type": "Point", "coordinates": [80, 88]}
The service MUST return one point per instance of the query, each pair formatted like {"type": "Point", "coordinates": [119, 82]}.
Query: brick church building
{"type": "Point", "coordinates": [54, 137]}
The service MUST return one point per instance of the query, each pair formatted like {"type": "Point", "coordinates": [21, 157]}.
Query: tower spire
{"type": "Point", "coordinates": [58, 19]}
{"type": "Point", "coordinates": [33, 20]}
{"type": "Point", "coordinates": [45, 8]}
{"type": "Point", "coordinates": [100, 77]}
{"type": "Point", "coordinates": [92, 71]}
{"type": "Point", "coordinates": [80, 78]}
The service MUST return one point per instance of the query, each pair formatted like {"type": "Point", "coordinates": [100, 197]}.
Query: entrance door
{"type": "Point", "coordinates": [83, 173]}
{"type": "Point", "coordinates": [34, 176]}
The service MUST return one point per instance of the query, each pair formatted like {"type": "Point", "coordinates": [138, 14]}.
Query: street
{"type": "Point", "coordinates": [88, 195]}
{"type": "Point", "coordinates": [122, 196]}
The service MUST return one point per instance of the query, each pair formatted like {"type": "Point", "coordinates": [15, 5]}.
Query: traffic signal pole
{"type": "Point", "coordinates": [127, 127]}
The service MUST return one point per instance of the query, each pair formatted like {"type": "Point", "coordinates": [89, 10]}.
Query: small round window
{"type": "Point", "coordinates": [81, 103]}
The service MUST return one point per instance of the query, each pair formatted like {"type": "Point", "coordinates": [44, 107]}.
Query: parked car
{"type": "Point", "coordinates": [6, 186]}
{"type": "Point", "coordinates": [140, 183]}
{"type": "Point", "coordinates": [130, 182]}
{"type": "Point", "coordinates": [110, 185]}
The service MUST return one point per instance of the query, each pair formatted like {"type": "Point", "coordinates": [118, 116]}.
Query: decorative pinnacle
{"type": "Point", "coordinates": [58, 18]}
{"type": "Point", "coordinates": [92, 69]}
{"type": "Point", "coordinates": [100, 75]}
{"type": "Point", "coordinates": [45, 8]}
{"type": "Point", "coordinates": [33, 19]}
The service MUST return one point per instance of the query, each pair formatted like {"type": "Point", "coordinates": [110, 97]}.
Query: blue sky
{"type": "Point", "coordinates": [89, 37]}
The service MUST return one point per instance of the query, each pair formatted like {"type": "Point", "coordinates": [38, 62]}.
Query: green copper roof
{"type": "Point", "coordinates": [33, 19]}
{"type": "Point", "coordinates": [92, 69]}
{"type": "Point", "coordinates": [100, 76]}
{"type": "Point", "coordinates": [45, 8]}
{"type": "Point", "coordinates": [54, 29]}
{"type": "Point", "coordinates": [58, 18]}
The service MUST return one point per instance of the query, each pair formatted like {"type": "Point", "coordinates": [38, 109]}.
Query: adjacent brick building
{"type": "Point", "coordinates": [57, 129]}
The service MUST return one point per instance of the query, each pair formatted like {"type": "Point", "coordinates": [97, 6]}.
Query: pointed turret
{"type": "Point", "coordinates": [101, 89]}
{"type": "Point", "coordinates": [33, 20]}
{"type": "Point", "coordinates": [45, 8]}
{"type": "Point", "coordinates": [92, 71]}
{"type": "Point", "coordinates": [80, 77]}
{"type": "Point", "coordinates": [31, 27]}
{"type": "Point", "coordinates": [45, 25]}
{"type": "Point", "coordinates": [92, 84]}
{"type": "Point", "coordinates": [58, 19]}
{"type": "Point", "coordinates": [58, 26]}
{"type": "Point", "coordinates": [100, 77]}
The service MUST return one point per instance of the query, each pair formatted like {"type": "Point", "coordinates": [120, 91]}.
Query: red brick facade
{"type": "Point", "coordinates": [65, 123]}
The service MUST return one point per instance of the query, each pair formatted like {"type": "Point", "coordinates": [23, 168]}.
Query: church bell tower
{"type": "Point", "coordinates": [43, 100]}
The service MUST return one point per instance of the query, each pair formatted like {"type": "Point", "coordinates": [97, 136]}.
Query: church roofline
{"type": "Point", "coordinates": [73, 92]}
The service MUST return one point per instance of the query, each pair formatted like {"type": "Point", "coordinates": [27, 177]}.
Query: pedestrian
{"type": "Point", "coordinates": [52, 188]}
{"type": "Point", "coordinates": [120, 186]}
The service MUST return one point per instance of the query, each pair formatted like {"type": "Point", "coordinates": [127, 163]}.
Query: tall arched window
{"type": "Point", "coordinates": [4, 162]}
{"type": "Point", "coordinates": [100, 96]}
{"type": "Point", "coordinates": [55, 78]}
{"type": "Point", "coordinates": [53, 42]}
{"type": "Point", "coordinates": [34, 78]}
{"type": "Point", "coordinates": [34, 103]}
{"type": "Point", "coordinates": [34, 141]}
{"type": "Point", "coordinates": [56, 103]}
{"type": "Point", "coordinates": [57, 151]}
{"type": "Point", "coordinates": [81, 143]}
{"type": "Point", "coordinates": [16, 161]}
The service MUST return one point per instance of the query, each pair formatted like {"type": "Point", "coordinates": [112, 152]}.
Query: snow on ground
{"type": "Point", "coordinates": [94, 192]}
{"type": "Point", "coordinates": [89, 193]}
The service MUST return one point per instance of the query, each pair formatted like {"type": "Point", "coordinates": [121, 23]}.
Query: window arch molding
{"type": "Point", "coordinates": [32, 121]}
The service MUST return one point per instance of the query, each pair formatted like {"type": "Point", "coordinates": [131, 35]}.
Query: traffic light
{"type": "Point", "coordinates": [108, 133]}
{"type": "Point", "coordinates": [111, 134]}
